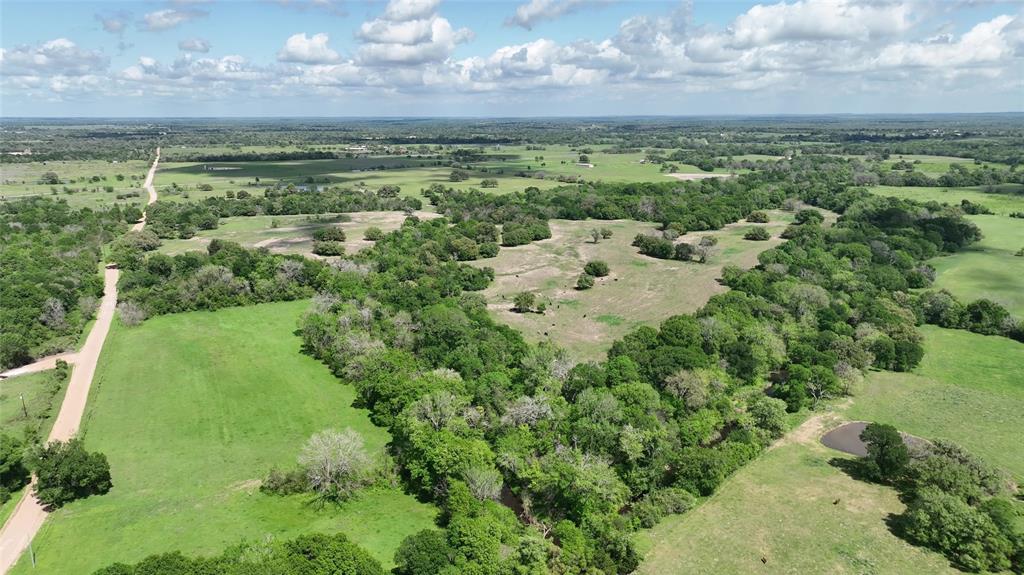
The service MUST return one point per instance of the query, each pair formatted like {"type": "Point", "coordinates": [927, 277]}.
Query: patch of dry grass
{"type": "Point", "coordinates": [640, 290]}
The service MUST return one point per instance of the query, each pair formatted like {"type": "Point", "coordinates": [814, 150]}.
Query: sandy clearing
{"type": "Point", "coordinates": [28, 516]}
{"type": "Point", "coordinates": [690, 177]}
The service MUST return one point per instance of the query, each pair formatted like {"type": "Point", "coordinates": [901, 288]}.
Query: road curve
{"type": "Point", "coordinates": [28, 516]}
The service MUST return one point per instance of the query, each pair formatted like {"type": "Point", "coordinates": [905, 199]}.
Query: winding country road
{"type": "Point", "coordinates": [28, 516]}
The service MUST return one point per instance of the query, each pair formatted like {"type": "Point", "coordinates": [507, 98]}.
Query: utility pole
{"type": "Point", "coordinates": [24, 409]}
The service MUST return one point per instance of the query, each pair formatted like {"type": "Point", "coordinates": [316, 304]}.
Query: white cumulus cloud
{"type": "Point", "coordinates": [409, 33]}
{"type": "Point", "coordinates": [59, 56]}
{"type": "Point", "coordinates": [307, 50]}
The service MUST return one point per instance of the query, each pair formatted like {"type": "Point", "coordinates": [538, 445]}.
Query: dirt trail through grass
{"type": "Point", "coordinates": [29, 515]}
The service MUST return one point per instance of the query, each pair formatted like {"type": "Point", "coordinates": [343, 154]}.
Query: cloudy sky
{"type": "Point", "coordinates": [498, 58]}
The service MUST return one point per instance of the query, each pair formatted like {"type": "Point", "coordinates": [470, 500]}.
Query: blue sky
{"type": "Point", "coordinates": [520, 58]}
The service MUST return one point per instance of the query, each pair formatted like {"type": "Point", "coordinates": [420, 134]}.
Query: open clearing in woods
{"type": "Point", "coordinates": [969, 389]}
{"type": "Point", "coordinates": [640, 290]}
{"type": "Point", "coordinates": [192, 411]}
{"type": "Point", "coordinates": [987, 269]}
{"type": "Point", "coordinates": [292, 234]}
{"type": "Point", "coordinates": [1002, 199]}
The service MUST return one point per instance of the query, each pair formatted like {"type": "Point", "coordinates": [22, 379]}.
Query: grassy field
{"type": "Point", "coordinates": [412, 173]}
{"type": "Point", "coordinates": [1002, 199]}
{"type": "Point", "coordinates": [192, 410]}
{"type": "Point", "coordinates": [935, 166]}
{"type": "Point", "coordinates": [989, 268]}
{"type": "Point", "coordinates": [969, 389]}
{"type": "Point", "coordinates": [83, 183]}
{"type": "Point", "coordinates": [780, 508]}
{"type": "Point", "coordinates": [293, 234]}
{"type": "Point", "coordinates": [640, 290]}
{"type": "Point", "coordinates": [806, 516]}
{"type": "Point", "coordinates": [43, 393]}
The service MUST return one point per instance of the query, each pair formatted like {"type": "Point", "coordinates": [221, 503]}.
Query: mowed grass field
{"type": "Point", "coordinates": [988, 268]}
{"type": "Point", "coordinates": [192, 411]}
{"type": "Point", "coordinates": [293, 234]}
{"type": "Point", "coordinates": [806, 516]}
{"type": "Point", "coordinates": [414, 173]}
{"type": "Point", "coordinates": [640, 290]}
{"type": "Point", "coordinates": [23, 180]}
{"type": "Point", "coordinates": [1002, 199]}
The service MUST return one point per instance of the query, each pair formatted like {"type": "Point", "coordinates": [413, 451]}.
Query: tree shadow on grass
{"type": "Point", "coordinates": [854, 468]}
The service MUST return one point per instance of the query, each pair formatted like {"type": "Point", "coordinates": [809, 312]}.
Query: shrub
{"type": "Point", "coordinates": [131, 313]}
{"type": "Point", "coordinates": [584, 282]}
{"type": "Point", "coordinates": [758, 218]}
{"type": "Point", "coordinates": [647, 512]}
{"type": "Point", "coordinates": [328, 248]}
{"type": "Point", "coordinates": [388, 191]}
{"type": "Point", "coordinates": [654, 246]}
{"type": "Point", "coordinates": [596, 268]}
{"type": "Point", "coordinates": [809, 216]}
{"type": "Point", "coordinates": [373, 234]}
{"type": "Point", "coordinates": [757, 234]}
{"type": "Point", "coordinates": [313, 554]}
{"type": "Point", "coordinates": [606, 233]}
{"type": "Point", "coordinates": [524, 302]}
{"type": "Point", "coordinates": [489, 249]}
{"type": "Point", "coordinates": [329, 234]}
{"type": "Point", "coordinates": [424, 552]}
{"type": "Point", "coordinates": [285, 482]}
{"type": "Point", "coordinates": [684, 252]}
{"type": "Point", "coordinates": [65, 471]}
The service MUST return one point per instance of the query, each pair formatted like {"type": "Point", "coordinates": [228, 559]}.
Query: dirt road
{"type": "Point", "coordinates": [149, 188]}
{"type": "Point", "coordinates": [29, 515]}
{"type": "Point", "coordinates": [42, 364]}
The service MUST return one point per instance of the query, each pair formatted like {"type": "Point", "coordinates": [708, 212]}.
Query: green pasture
{"type": "Point", "coordinates": [1001, 199]}
{"type": "Point", "coordinates": [969, 389]}
{"type": "Point", "coordinates": [802, 514]}
{"type": "Point", "coordinates": [193, 410]}
{"type": "Point", "coordinates": [412, 173]}
{"type": "Point", "coordinates": [82, 183]}
{"type": "Point", "coordinates": [935, 166]}
{"type": "Point", "coordinates": [989, 268]}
